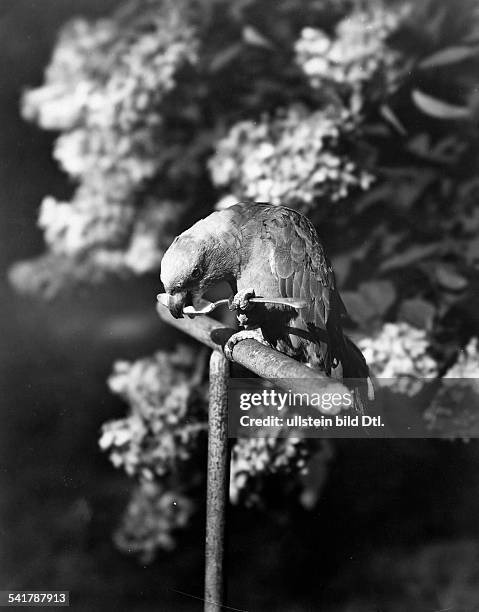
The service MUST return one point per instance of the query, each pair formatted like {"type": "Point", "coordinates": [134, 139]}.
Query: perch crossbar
{"type": "Point", "coordinates": [263, 361]}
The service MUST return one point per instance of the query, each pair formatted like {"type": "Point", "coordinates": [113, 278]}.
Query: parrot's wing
{"type": "Point", "coordinates": [299, 262]}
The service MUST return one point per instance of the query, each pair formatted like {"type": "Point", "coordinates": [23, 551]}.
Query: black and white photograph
{"type": "Point", "coordinates": [239, 305]}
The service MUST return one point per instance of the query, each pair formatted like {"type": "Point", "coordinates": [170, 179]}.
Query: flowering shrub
{"type": "Point", "coordinates": [104, 89]}
{"type": "Point", "coordinates": [151, 519]}
{"type": "Point", "coordinates": [400, 354]}
{"type": "Point", "coordinates": [166, 108]}
{"type": "Point", "coordinates": [166, 414]}
{"type": "Point", "coordinates": [252, 458]}
{"type": "Point", "coordinates": [297, 159]}
{"type": "Point", "coordinates": [357, 61]}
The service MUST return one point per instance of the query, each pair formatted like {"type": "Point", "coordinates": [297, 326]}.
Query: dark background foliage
{"type": "Point", "coordinates": [397, 528]}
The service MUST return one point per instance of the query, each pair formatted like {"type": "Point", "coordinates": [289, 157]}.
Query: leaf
{"type": "Point", "coordinates": [370, 302]}
{"type": "Point", "coordinates": [448, 277]}
{"type": "Point", "coordinates": [446, 151]}
{"type": "Point", "coordinates": [342, 266]}
{"type": "Point", "coordinates": [344, 261]}
{"type": "Point", "coordinates": [376, 195]}
{"type": "Point", "coordinates": [225, 56]}
{"type": "Point", "coordinates": [446, 57]}
{"type": "Point", "coordinates": [406, 193]}
{"type": "Point", "coordinates": [417, 312]}
{"type": "Point", "coordinates": [381, 294]}
{"type": "Point", "coordinates": [358, 307]}
{"type": "Point", "coordinates": [251, 36]}
{"type": "Point", "coordinates": [390, 116]}
{"type": "Point", "coordinates": [472, 250]}
{"type": "Point", "coordinates": [420, 144]}
{"type": "Point", "coordinates": [410, 256]}
{"type": "Point", "coordinates": [438, 108]}
{"type": "Point", "coordinates": [472, 38]}
{"type": "Point", "coordinates": [433, 21]}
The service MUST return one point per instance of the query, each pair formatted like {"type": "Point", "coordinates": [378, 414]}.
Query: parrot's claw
{"type": "Point", "coordinates": [241, 301]}
{"type": "Point", "coordinates": [246, 334]}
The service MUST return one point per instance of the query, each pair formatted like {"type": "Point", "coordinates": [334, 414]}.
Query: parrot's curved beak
{"type": "Point", "coordinates": [177, 302]}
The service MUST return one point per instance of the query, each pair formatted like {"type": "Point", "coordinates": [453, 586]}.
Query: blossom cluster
{"type": "Point", "coordinates": [453, 410]}
{"type": "Point", "coordinates": [154, 442]}
{"type": "Point", "coordinates": [296, 159]}
{"type": "Point", "coordinates": [153, 229]}
{"type": "Point", "coordinates": [104, 90]}
{"type": "Point", "coordinates": [151, 519]}
{"type": "Point", "coordinates": [400, 355]}
{"type": "Point", "coordinates": [357, 57]}
{"type": "Point", "coordinates": [467, 364]}
{"type": "Point", "coordinates": [165, 416]}
{"type": "Point", "coordinates": [254, 458]}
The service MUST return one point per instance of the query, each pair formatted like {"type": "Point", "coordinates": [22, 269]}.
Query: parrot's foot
{"type": "Point", "coordinates": [241, 301]}
{"type": "Point", "coordinates": [246, 334]}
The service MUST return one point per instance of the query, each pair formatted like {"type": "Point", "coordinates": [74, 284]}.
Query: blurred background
{"type": "Point", "coordinates": [396, 527]}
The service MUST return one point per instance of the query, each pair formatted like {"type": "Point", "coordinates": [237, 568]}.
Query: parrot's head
{"type": "Point", "coordinates": [196, 260]}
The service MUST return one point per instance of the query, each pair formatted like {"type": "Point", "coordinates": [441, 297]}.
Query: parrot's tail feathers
{"type": "Point", "coordinates": [355, 366]}
{"type": "Point", "coordinates": [371, 391]}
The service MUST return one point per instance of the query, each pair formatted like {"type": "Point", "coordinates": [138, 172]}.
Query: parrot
{"type": "Point", "coordinates": [265, 250]}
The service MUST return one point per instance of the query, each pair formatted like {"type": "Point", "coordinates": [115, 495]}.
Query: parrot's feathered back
{"type": "Point", "coordinates": [276, 251]}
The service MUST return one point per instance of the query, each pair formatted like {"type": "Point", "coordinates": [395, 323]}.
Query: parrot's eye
{"type": "Point", "coordinates": [196, 273]}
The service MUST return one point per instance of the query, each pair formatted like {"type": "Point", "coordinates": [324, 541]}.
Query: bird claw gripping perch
{"type": "Point", "coordinates": [242, 300]}
{"type": "Point", "coordinates": [245, 334]}
{"type": "Point", "coordinates": [242, 303]}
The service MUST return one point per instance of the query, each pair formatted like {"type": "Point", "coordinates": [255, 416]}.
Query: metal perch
{"type": "Point", "coordinates": [217, 482]}
{"type": "Point", "coordinates": [263, 361]}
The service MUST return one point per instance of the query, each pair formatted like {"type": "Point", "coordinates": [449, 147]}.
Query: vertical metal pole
{"type": "Point", "coordinates": [217, 482]}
